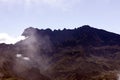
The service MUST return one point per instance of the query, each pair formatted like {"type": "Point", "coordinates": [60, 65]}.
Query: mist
{"type": "Point", "coordinates": [32, 54]}
{"type": "Point", "coordinates": [7, 39]}
{"type": "Point", "coordinates": [118, 75]}
{"type": "Point", "coordinates": [28, 54]}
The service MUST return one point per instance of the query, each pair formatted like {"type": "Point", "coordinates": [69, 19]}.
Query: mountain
{"type": "Point", "coordinates": [84, 35]}
{"type": "Point", "coordinates": [83, 53]}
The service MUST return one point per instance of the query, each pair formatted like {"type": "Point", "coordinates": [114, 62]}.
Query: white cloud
{"type": "Point", "coordinates": [5, 38]}
{"type": "Point", "coordinates": [29, 2]}
{"type": "Point", "coordinates": [61, 4]}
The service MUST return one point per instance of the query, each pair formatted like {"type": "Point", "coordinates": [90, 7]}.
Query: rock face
{"type": "Point", "coordinates": [84, 53]}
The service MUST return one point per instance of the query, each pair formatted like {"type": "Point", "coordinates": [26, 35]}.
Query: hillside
{"type": "Point", "coordinates": [83, 53]}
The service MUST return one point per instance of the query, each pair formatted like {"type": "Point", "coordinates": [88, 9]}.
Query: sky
{"type": "Point", "coordinates": [17, 15]}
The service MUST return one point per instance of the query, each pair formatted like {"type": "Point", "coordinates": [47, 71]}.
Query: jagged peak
{"type": "Point", "coordinates": [29, 31]}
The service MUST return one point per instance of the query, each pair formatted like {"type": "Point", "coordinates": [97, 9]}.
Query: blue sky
{"type": "Point", "coordinates": [16, 15]}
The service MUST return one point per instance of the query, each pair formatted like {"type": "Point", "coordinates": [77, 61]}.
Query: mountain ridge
{"type": "Point", "coordinates": [84, 35]}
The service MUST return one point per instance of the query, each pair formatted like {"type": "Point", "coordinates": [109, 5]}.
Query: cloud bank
{"type": "Point", "coordinates": [7, 39]}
